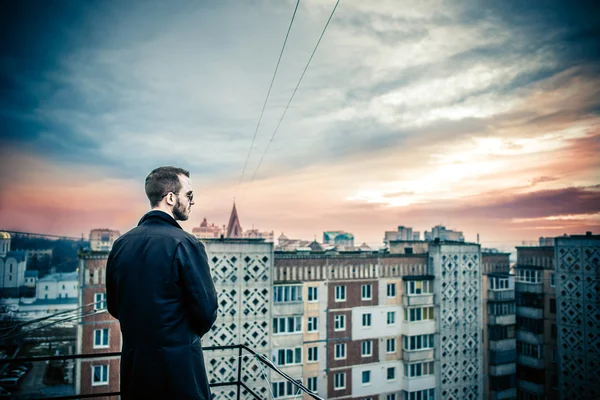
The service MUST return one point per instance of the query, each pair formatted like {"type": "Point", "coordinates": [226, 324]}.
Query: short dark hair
{"type": "Point", "coordinates": [162, 181]}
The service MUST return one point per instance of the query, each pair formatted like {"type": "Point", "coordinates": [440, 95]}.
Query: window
{"type": "Point", "coordinates": [498, 283]}
{"type": "Point", "coordinates": [366, 348]}
{"type": "Point", "coordinates": [501, 308]}
{"type": "Point", "coordinates": [391, 290]}
{"type": "Point", "coordinates": [366, 377]}
{"type": "Point", "coordinates": [391, 396]}
{"type": "Point", "coordinates": [418, 342]}
{"type": "Point", "coordinates": [313, 354]}
{"type": "Point", "coordinates": [427, 394]}
{"type": "Point", "coordinates": [366, 292]}
{"type": "Point", "coordinates": [530, 350]}
{"type": "Point", "coordinates": [553, 306]}
{"type": "Point", "coordinates": [553, 331]}
{"type": "Point", "coordinates": [419, 369]}
{"type": "Point", "coordinates": [391, 318]}
{"type": "Point", "coordinates": [553, 280]}
{"type": "Point", "coordinates": [419, 287]}
{"type": "Point", "coordinates": [339, 322]}
{"type": "Point", "coordinates": [418, 314]}
{"type": "Point", "coordinates": [390, 345]}
{"type": "Point", "coordinates": [340, 293]}
{"type": "Point", "coordinates": [313, 324]}
{"type": "Point", "coordinates": [528, 276]}
{"type": "Point", "coordinates": [501, 332]}
{"type": "Point", "coordinates": [100, 338]}
{"type": "Point", "coordinates": [284, 389]}
{"type": "Point", "coordinates": [340, 351]}
{"type": "Point", "coordinates": [287, 293]}
{"type": "Point", "coordinates": [339, 381]}
{"type": "Point", "coordinates": [99, 375]}
{"type": "Point", "coordinates": [287, 325]}
{"type": "Point", "coordinates": [311, 384]}
{"type": "Point", "coordinates": [366, 320]}
{"type": "Point", "coordinates": [288, 356]}
{"type": "Point", "coordinates": [391, 373]}
{"type": "Point", "coordinates": [313, 294]}
{"type": "Point", "coordinates": [63, 287]}
{"type": "Point", "coordinates": [46, 288]}
{"type": "Point", "coordinates": [99, 301]}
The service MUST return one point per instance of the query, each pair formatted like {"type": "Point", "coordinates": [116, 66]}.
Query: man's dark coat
{"type": "Point", "coordinates": [158, 286]}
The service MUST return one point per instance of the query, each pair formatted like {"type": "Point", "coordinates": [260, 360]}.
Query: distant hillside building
{"type": "Point", "coordinates": [440, 232]}
{"type": "Point", "coordinates": [31, 278]}
{"type": "Point", "coordinates": [286, 244]}
{"type": "Point", "coordinates": [12, 268]}
{"type": "Point", "coordinates": [103, 239]}
{"type": "Point", "coordinates": [206, 231]}
{"type": "Point", "coordinates": [403, 233]}
{"type": "Point", "coordinates": [342, 240]}
{"type": "Point", "coordinates": [58, 286]}
{"type": "Point", "coordinates": [234, 229]}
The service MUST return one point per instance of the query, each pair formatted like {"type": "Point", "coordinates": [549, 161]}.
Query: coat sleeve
{"type": "Point", "coordinates": [111, 291]}
{"type": "Point", "coordinates": [197, 285]}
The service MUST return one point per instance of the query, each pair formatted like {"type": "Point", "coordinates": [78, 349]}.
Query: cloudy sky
{"type": "Point", "coordinates": [481, 116]}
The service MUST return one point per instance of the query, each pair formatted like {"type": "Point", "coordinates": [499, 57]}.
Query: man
{"type": "Point", "coordinates": [158, 286]}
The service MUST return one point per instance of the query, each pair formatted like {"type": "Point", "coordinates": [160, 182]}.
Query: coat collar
{"type": "Point", "coordinates": [157, 215]}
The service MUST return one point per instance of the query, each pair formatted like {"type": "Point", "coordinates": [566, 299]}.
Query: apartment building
{"type": "Point", "coordinates": [578, 315]}
{"type": "Point", "coordinates": [400, 326]}
{"type": "Point", "coordinates": [98, 332]}
{"type": "Point", "coordinates": [535, 294]}
{"type": "Point", "coordinates": [499, 327]}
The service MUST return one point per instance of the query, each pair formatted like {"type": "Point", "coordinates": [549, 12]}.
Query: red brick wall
{"type": "Point", "coordinates": [339, 393]}
{"type": "Point", "coordinates": [353, 294]}
{"type": "Point", "coordinates": [113, 377]}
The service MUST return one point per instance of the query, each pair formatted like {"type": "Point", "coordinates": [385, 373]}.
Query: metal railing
{"type": "Point", "coordinates": [238, 383]}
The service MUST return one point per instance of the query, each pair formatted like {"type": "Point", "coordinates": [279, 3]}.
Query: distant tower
{"type": "Point", "coordinates": [4, 243]}
{"type": "Point", "coordinates": [234, 229]}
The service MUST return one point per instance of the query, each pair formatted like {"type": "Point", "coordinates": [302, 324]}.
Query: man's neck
{"type": "Point", "coordinates": [165, 210]}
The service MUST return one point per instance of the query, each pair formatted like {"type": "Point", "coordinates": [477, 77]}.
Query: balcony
{"type": "Point", "coordinates": [503, 345]}
{"type": "Point", "coordinates": [417, 300]}
{"type": "Point", "coordinates": [288, 308]}
{"type": "Point", "coordinates": [503, 394]}
{"type": "Point", "coordinates": [530, 312]}
{"type": "Point", "coordinates": [527, 287]}
{"type": "Point", "coordinates": [501, 295]}
{"type": "Point", "coordinates": [417, 355]}
{"type": "Point", "coordinates": [503, 369]}
{"type": "Point", "coordinates": [418, 327]}
{"type": "Point", "coordinates": [418, 383]}
{"type": "Point", "coordinates": [508, 319]}
{"type": "Point", "coordinates": [241, 389]}
{"type": "Point", "coordinates": [530, 361]}
{"type": "Point", "coordinates": [530, 337]}
{"type": "Point", "coordinates": [535, 388]}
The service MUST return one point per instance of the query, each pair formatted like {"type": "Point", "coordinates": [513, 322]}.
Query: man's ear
{"type": "Point", "coordinates": [170, 198]}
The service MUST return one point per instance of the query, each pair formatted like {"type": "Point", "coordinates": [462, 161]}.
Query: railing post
{"type": "Point", "coordinates": [239, 371]}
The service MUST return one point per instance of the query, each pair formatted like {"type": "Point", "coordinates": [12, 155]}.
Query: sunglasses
{"type": "Point", "coordinates": [189, 195]}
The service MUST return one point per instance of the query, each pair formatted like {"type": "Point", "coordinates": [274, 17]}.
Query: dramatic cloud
{"type": "Point", "coordinates": [426, 112]}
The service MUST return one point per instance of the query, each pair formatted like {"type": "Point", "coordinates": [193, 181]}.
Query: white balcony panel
{"type": "Point", "coordinates": [418, 383]}
{"type": "Point", "coordinates": [418, 327]}
{"type": "Point", "coordinates": [417, 355]}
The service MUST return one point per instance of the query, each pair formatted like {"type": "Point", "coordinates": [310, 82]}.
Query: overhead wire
{"type": "Point", "coordinates": [33, 321]}
{"type": "Point", "coordinates": [69, 318]}
{"type": "Point", "coordinates": [269, 91]}
{"type": "Point", "coordinates": [295, 90]}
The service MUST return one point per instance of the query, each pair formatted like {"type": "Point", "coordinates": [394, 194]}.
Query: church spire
{"type": "Point", "coordinates": [234, 229]}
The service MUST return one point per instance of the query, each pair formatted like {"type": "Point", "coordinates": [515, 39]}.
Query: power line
{"type": "Point", "coordinates": [269, 91]}
{"type": "Point", "coordinates": [295, 90]}
{"type": "Point", "coordinates": [69, 318]}
{"type": "Point", "coordinates": [33, 321]}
